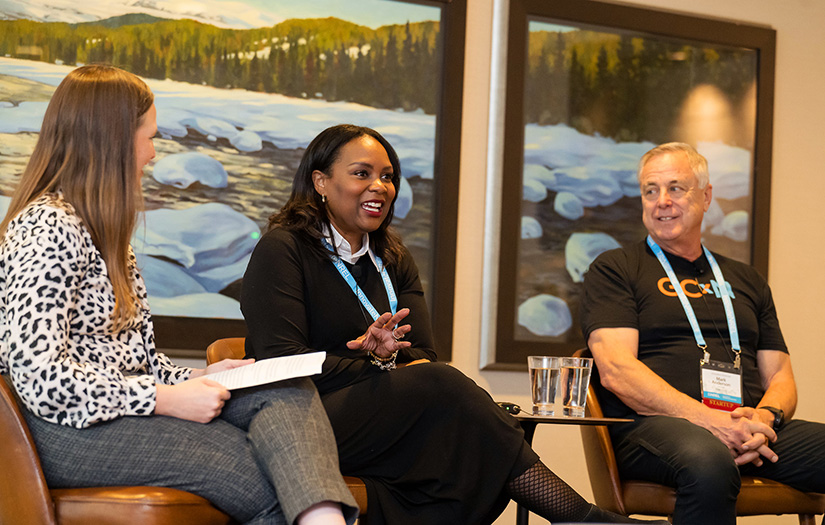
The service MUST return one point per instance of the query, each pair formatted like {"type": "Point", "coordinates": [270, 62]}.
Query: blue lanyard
{"type": "Point", "coordinates": [723, 288]}
{"type": "Point", "coordinates": [345, 273]}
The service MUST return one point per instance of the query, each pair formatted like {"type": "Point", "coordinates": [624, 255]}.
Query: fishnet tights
{"type": "Point", "coordinates": [547, 495]}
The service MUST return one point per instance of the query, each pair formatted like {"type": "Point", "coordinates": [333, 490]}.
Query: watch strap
{"type": "Point", "coordinates": [778, 415]}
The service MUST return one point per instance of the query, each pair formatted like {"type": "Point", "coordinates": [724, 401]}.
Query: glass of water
{"type": "Point", "coordinates": [544, 383]}
{"type": "Point", "coordinates": [574, 380]}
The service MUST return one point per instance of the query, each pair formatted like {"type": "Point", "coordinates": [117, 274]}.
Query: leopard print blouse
{"type": "Point", "coordinates": [56, 338]}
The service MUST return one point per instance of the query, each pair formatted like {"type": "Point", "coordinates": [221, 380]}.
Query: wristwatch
{"type": "Point", "coordinates": [778, 416]}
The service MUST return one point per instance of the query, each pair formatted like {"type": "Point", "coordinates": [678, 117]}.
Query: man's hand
{"type": "Point", "coordinates": [761, 442]}
{"type": "Point", "coordinates": [754, 414]}
{"type": "Point", "coordinates": [615, 351]}
{"type": "Point", "coordinates": [780, 391]}
{"type": "Point", "coordinates": [734, 430]}
{"type": "Point", "coordinates": [745, 435]}
{"type": "Point", "coordinates": [759, 445]}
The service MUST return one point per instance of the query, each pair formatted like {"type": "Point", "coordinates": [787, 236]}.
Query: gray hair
{"type": "Point", "coordinates": [698, 163]}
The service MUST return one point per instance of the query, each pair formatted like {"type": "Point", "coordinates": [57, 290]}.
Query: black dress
{"type": "Point", "coordinates": [431, 446]}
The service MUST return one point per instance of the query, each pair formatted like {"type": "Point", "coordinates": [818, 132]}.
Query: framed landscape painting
{"type": "Point", "coordinates": [590, 87]}
{"type": "Point", "coordinates": [241, 87]}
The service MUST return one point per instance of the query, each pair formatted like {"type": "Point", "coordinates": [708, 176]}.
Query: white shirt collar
{"type": "Point", "coordinates": [345, 250]}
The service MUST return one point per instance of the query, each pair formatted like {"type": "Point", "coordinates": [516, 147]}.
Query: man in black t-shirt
{"type": "Point", "coordinates": [648, 352]}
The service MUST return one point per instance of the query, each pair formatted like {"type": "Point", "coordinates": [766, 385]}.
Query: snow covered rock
{"type": "Point", "coordinates": [533, 191]}
{"type": "Point", "coordinates": [530, 228]}
{"type": "Point", "coordinates": [247, 141]}
{"type": "Point", "coordinates": [166, 279]}
{"type": "Point", "coordinates": [211, 126]}
{"type": "Point", "coordinates": [593, 185]}
{"type": "Point", "coordinates": [730, 169]}
{"type": "Point", "coordinates": [212, 242]}
{"type": "Point", "coordinates": [184, 169]}
{"type": "Point", "coordinates": [734, 226]}
{"type": "Point", "coordinates": [582, 248]}
{"type": "Point", "coordinates": [545, 314]}
{"type": "Point", "coordinates": [713, 216]}
{"type": "Point", "coordinates": [404, 200]}
{"type": "Point", "coordinates": [559, 146]}
{"type": "Point", "coordinates": [568, 206]}
{"type": "Point", "coordinates": [539, 173]}
{"type": "Point", "coordinates": [4, 206]}
{"type": "Point", "coordinates": [27, 116]}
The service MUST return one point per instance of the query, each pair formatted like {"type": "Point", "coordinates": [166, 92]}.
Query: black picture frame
{"type": "Point", "coordinates": [189, 336]}
{"type": "Point", "coordinates": [510, 351]}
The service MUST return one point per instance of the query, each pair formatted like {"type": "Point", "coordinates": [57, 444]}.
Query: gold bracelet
{"type": "Point", "coordinates": [384, 363]}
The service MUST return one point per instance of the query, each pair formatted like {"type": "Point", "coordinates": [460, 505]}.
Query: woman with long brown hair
{"type": "Point", "coordinates": [76, 339]}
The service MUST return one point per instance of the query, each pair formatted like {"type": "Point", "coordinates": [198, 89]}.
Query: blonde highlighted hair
{"type": "Point", "coordinates": [86, 150]}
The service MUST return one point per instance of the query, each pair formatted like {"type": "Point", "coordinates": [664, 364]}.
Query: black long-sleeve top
{"type": "Point", "coordinates": [294, 301]}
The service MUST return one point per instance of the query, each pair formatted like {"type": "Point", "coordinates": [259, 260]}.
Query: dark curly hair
{"type": "Point", "coordinates": [305, 214]}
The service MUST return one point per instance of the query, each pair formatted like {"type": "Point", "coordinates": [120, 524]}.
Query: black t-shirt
{"type": "Point", "coordinates": [628, 288]}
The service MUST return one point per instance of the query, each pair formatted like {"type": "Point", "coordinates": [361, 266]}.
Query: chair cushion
{"type": "Point", "coordinates": [134, 506]}
{"type": "Point", "coordinates": [359, 491]}
{"type": "Point", "coordinates": [757, 496]}
{"type": "Point", "coordinates": [155, 505]}
{"type": "Point", "coordinates": [764, 496]}
{"type": "Point", "coordinates": [646, 497]}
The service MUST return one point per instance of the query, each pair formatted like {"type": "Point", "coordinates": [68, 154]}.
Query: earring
{"type": "Point", "coordinates": [324, 199]}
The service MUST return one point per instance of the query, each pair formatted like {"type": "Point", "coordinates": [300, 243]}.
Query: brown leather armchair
{"type": "Point", "coordinates": [233, 348]}
{"type": "Point", "coordinates": [758, 496]}
{"type": "Point", "coordinates": [25, 498]}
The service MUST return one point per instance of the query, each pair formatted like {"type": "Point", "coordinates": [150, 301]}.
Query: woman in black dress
{"type": "Point", "coordinates": [431, 446]}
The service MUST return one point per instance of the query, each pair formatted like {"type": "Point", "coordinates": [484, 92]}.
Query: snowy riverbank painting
{"type": "Point", "coordinates": [240, 87]}
{"type": "Point", "coordinates": [588, 100]}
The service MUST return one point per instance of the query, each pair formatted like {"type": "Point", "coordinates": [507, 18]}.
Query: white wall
{"type": "Point", "coordinates": [797, 241]}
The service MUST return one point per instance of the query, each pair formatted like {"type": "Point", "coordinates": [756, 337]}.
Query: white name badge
{"type": "Point", "coordinates": [721, 385]}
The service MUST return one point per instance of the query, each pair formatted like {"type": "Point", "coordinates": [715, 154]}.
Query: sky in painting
{"type": "Point", "coordinates": [239, 14]}
{"type": "Point", "coordinates": [372, 13]}
{"type": "Point", "coordinates": [552, 28]}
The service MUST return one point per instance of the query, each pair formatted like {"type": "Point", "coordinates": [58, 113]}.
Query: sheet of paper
{"type": "Point", "coordinates": [270, 370]}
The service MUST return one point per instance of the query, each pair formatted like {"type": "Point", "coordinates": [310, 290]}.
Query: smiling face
{"type": "Point", "coordinates": [358, 189]}
{"type": "Point", "coordinates": [144, 145]}
{"type": "Point", "coordinates": [673, 205]}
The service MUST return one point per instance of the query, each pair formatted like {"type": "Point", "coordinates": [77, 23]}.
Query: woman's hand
{"type": "Point", "coordinates": [382, 338]}
{"type": "Point", "coordinates": [200, 400]}
{"type": "Point", "coordinates": [220, 366]}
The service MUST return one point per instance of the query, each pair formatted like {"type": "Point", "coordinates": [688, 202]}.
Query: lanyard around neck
{"type": "Point", "coordinates": [347, 275]}
{"type": "Point", "coordinates": [723, 290]}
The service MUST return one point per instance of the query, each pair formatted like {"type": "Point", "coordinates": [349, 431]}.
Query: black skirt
{"type": "Point", "coordinates": [431, 446]}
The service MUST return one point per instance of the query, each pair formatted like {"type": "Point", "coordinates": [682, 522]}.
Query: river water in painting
{"type": "Point", "coordinates": [244, 148]}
